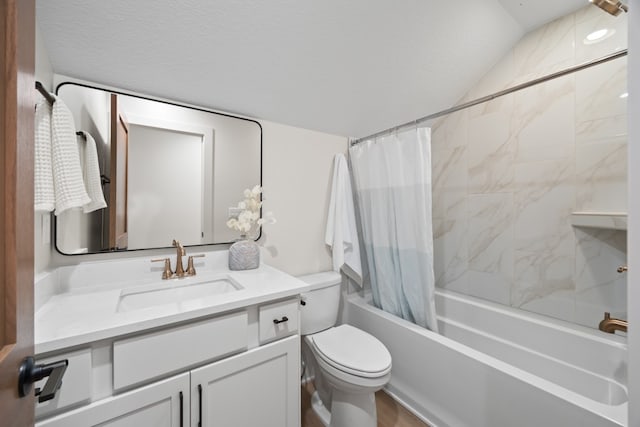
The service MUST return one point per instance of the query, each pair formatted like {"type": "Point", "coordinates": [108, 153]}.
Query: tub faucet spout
{"type": "Point", "coordinates": [611, 325]}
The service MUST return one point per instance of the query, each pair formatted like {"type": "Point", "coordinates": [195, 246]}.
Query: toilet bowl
{"type": "Point", "coordinates": [350, 365]}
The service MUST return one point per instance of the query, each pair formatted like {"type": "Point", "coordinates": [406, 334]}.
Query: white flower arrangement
{"type": "Point", "coordinates": [249, 217]}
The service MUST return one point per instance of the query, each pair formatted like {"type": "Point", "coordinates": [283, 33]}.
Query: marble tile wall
{"type": "Point", "coordinates": [507, 175]}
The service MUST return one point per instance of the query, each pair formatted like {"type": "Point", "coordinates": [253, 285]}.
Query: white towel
{"type": "Point", "coordinates": [44, 196]}
{"type": "Point", "coordinates": [341, 234]}
{"type": "Point", "coordinates": [91, 173]}
{"type": "Point", "coordinates": [67, 172]}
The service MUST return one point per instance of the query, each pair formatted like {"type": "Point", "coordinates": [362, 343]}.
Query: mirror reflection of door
{"type": "Point", "coordinates": [118, 223]}
{"type": "Point", "coordinates": [172, 161]}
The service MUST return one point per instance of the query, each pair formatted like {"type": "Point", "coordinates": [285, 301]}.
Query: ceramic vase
{"type": "Point", "coordinates": [244, 255]}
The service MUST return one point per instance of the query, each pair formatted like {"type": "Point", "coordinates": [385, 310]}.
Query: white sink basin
{"type": "Point", "coordinates": [173, 292]}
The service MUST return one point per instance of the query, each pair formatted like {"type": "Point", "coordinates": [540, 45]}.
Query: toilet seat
{"type": "Point", "coordinates": [352, 351]}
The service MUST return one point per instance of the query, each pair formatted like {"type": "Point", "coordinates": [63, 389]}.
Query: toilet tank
{"type": "Point", "coordinates": [319, 309]}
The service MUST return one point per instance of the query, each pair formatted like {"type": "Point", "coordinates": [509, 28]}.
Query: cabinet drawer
{"type": "Point", "coordinates": [278, 320]}
{"type": "Point", "coordinates": [76, 383]}
{"type": "Point", "coordinates": [153, 355]}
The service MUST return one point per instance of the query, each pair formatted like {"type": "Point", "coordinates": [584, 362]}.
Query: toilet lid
{"type": "Point", "coordinates": [347, 347]}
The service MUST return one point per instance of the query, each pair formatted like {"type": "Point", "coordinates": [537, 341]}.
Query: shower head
{"type": "Point", "coordinates": [613, 7]}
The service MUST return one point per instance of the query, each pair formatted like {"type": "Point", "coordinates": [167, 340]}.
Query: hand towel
{"type": "Point", "coordinates": [67, 173]}
{"type": "Point", "coordinates": [44, 196]}
{"type": "Point", "coordinates": [341, 233]}
{"type": "Point", "coordinates": [91, 174]}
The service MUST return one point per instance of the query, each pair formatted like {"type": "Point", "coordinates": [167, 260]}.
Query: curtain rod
{"type": "Point", "coordinates": [493, 96]}
{"type": "Point", "coordinates": [45, 93]}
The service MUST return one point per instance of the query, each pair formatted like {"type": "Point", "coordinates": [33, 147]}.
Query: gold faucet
{"type": "Point", "coordinates": [610, 325]}
{"type": "Point", "coordinates": [180, 252]}
{"type": "Point", "coordinates": [167, 273]}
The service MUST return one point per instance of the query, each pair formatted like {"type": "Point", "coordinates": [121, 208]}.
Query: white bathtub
{"type": "Point", "coordinates": [498, 367]}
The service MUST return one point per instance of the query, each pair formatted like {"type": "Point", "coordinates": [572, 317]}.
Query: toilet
{"type": "Point", "coordinates": [350, 365]}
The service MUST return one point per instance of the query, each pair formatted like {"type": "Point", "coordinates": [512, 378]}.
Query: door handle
{"type": "Point", "coordinates": [29, 373]}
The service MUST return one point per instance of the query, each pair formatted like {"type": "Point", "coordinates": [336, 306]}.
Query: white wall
{"type": "Point", "coordinates": [297, 170]}
{"type": "Point", "coordinates": [44, 70]}
{"type": "Point", "coordinates": [634, 216]}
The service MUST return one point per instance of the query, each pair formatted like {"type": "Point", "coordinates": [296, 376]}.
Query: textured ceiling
{"type": "Point", "coordinates": [344, 67]}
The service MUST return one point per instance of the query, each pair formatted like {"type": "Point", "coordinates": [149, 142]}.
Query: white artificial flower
{"type": "Point", "coordinates": [250, 212]}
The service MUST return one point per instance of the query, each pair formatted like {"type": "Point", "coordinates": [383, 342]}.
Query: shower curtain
{"type": "Point", "coordinates": [392, 177]}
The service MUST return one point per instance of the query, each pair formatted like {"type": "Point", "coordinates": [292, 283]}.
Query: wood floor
{"type": "Point", "coordinates": [390, 413]}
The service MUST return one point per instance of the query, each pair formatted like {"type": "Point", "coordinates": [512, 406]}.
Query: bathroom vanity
{"type": "Point", "coordinates": [218, 349]}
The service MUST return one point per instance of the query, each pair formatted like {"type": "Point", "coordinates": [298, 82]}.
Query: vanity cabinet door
{"type": "Point", "coordinates": [260, 387]}
{"type": "Point", "coordinates": [160, 404]}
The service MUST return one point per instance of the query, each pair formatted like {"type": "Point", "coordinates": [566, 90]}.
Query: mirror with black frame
{"type": "Point", "coordinates": [168, 172]}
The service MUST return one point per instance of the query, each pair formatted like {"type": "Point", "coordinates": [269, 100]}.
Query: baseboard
{"type": "Point", "coordinates": [411, 409]}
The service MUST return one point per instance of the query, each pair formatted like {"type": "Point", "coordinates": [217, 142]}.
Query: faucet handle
{"type": "Point", "coordinates": [166, 273]}
{"type": "Point", "coordinates": [191, 270]}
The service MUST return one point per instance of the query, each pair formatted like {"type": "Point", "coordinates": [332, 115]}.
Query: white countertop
{"type": "Point", "coordinates": [79, 305]}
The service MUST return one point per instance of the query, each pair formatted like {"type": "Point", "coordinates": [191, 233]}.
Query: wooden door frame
{"type": "Point", "coordinates": [117, 239]}
{"type": "Point", "coordinates": [17, 101]}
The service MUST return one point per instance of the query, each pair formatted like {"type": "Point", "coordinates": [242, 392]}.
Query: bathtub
{"type": "Point", "coordinates": [494, 366]}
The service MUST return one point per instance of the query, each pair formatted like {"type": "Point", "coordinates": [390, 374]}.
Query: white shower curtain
{"type": "Point", "coordinates": [392, 177]}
